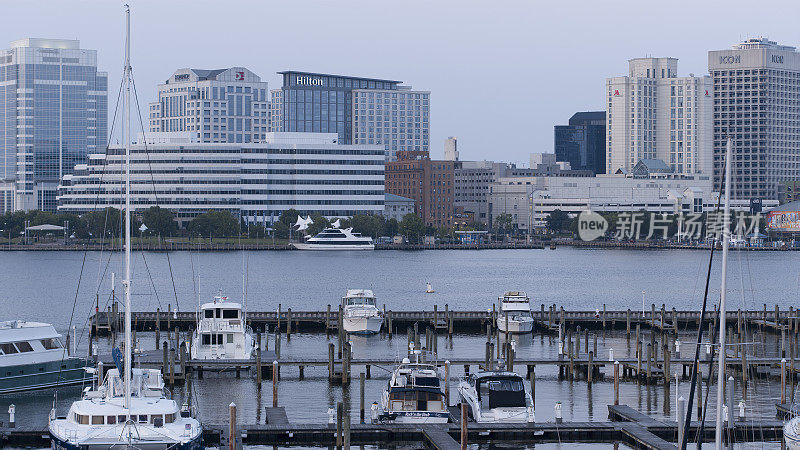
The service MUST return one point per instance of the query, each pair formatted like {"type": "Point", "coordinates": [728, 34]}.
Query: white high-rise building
{"type": "Point", "coordinates": [654, 114]}
{"type": "Point", "coordinates": [221, 105]}
{"type": "Point", "coordinates": [757, 103]}
{"type": "Point", "coordinates": [451, 149]}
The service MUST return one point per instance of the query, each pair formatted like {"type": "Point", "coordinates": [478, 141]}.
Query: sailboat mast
{"type": "Point", "coordinates": [723, 289]}
{"type": "Point", "coordinates": [126, 140]}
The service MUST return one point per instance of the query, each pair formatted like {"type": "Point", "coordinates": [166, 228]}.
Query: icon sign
{"type": "Point", "coordinates": [239, 76]}
{"type": "Point", "coordinates": [591, 225]}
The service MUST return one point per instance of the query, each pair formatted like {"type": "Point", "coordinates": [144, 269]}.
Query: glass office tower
{"type": "Point", "coordinates": [53, 112]}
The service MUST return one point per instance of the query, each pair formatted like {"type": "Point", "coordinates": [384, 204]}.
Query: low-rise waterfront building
{"type": "Point", "coordinates": [309, 172]}
{"type": "Point", "coordinates": [396, 206]}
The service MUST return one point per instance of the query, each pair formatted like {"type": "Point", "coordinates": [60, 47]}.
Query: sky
{"type": "Point", "coordinates": [501, 73]}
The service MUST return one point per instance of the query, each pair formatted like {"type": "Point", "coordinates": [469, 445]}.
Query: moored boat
{"type": "Point", "coordinates": [514, 313]}
{"type": "Point", "coordinates": [414, 395]}
{"type": "Point", "coordinates": [360, 313]}
{"type": "Point", "coordinates": [336, 239]}
{"type": "Point", "coordinates": [221, 332]}
{"type": "Point", "coordinates": [32, 357]}
{"type": "Point", "coordinates": [496, 397]}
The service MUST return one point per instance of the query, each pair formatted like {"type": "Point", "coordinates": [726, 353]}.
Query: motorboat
{"type": "Point", "coordinates": [130, 408]}
{"type": "Point", "coordinates": [514, 313]}
{"type": "Point", "coordinates": [360, 313]}
{"type": "Point", "coordinates": [150, 421]}
{"type": "Point", "coordinates": [336, 239]}
{"type": "Point", "coordinates": [221, 332]}
{"type": "Point", "coordinates": [791, 434]}
{"type": "Point", "coordinates": [496, 397]}
{"type": "Point", "coordinates": [32, 357]}
{"type": "Point", "coordinates": [414, 395]}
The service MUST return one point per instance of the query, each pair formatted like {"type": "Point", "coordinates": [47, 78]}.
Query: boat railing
{"type": "Point", "coordinates": [221, 325]}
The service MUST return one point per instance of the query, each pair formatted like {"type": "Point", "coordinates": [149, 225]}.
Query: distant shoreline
{"type": "Point", "coordinates": [538, 245]}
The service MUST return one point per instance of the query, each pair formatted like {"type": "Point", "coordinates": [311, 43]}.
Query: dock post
{"type": "Point", "coordinates": [328, 319]}
{"type": "Point", "coordinates": [447, 383]}
{"type": "Point", "coordinates": [409, 338]}
{"type": "Point", "coordinates": [165, 362]}
{"type": "Point", "coordinates": [361, 397]}
{"type": "Point", "coordinates": [783, 339]}
{"type": "Point", "coordinates": [616, 382]}
{"type": "Point", "coordinates": [302, 372]}
{"type": "Point", "coordinates": [339, 419]}
{"type": "Point", "coordinates": [391, 327]}
{"type": "Point", "coordinates": [435, 316]}
{"type": "Point", "coordinates": [232, 426]}
{"type": "Point", "coordinates": [288, 324]}
{"type": "Point", "coordinates": [416, 335]}
{"type": "Point", "coordinates": [731, 415]}
{"type": "Point", "coordinates": [169, 317]}
{"type": "Point", "coordinates": [572, 365]}
{"type": "Point", "coordinates": [463, 426]}
{"type": "Point", "coordinates": [589, 368]}
{"type": "Point", "coordinates": [346, 443]}
{"type": "Point", "coordinates": [278, 344]}
{"type": "Point", "coordinates": [638, 359]}
{"type": "Point", "coordinates": [278, 319]}
{"type": "Point", "coordinates": [450, 325]}
{"type": "Point", "coordinates": [369, 375]}
{"type": "Point", "coordinates": [699, 391]}
{"type": "Point", "coordinates": [586, 340]}
{"type": "Point", "coordinates": [666, 354]}
{"type": "Point", "coordinates": [783, 380]}
{"type": "Point", "coordinates": [674, 321]}
{"type": "Point", "coordinates": [331, 350]}
{"type": "Point", "coordinates": [275, 384]}
{"type": "Point", "coordinates": [158, 327]}
{"type": "Point", "coordinates": [628, 323]}
{"type": "Point", "coordinates": [258, 360]}
{"type": "Point", "coordinates": [563, 319]}
{"type": "Point", "coordinates": [649, 358]}
{"type": "Point", "coordinates": [487, 356]}
{"type": "Point", "coordinates": [681, 418]}
{"type": "Point", "coordinates": [509, 356]}
{"type": "Point", "coordinates": [652, 320]}
{"type": "Point", "coordinates": [594, 340]}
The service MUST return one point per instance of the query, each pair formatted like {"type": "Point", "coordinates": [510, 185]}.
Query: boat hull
{"type": "Point", "coordinates": [57, 443]}
{"type": "Point", "coordinates": [362, 325]}
{"type": "Point", "coordinates": [515, 326]}
{"type": "Point", "coordinates": [29, 377]}
{"type": "Point", "coordinates": [300, 246]}
{"type": "Point", "coordinates": [791, 434]}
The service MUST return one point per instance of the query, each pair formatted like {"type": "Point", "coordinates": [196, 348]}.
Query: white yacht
{"type": "Point", "coordinates": [32, 357]}
{"type": "Point", "coordinates": [336, 239]}
{"type": "Point", "coordinates": [130, 409]}
{"type": "Point", "coordinates": [518, 307]}
{"type": "Point", "coordinates": [221, 332]}
{"type": "Point", "coordinates": [496, 397]}
{"type": "Point", "coordinates": [414, 395]}
{"type": "Point", "coordinates": [360, 312]}
{"type": "Point", "coordinates": [150, 421]}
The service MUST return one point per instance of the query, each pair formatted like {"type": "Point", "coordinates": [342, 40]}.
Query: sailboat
{"type": "Point", "coordinates": [131, 408]}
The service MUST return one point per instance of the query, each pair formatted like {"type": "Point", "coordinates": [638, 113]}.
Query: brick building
{"type": "Point", "coordinates": [428, 182]}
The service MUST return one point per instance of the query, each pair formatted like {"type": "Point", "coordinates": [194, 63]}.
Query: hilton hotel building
{"type": "Point", "coordinates": [757, 103]}
{"type": "Point", "coordinates": [654, 114]}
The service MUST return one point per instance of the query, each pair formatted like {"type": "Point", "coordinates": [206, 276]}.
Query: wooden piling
{"type": "Point", "coordinates": [447, 383]}
{"type": "Point", "coordinates": [331, 350]}
{"type": "Point", "coordinates": [275, 375]}
{"type": "Point", "coordinates": [361, 396]}
{"type": "Point", "coordinates": [158, 327]}
{"type": "Point", "coordinates": [339, 423]}
{"type": "Point", "coordinates": [258, 360]}
{"type": "Point", "coordinates": [532, 376]}
{"type": "Point", "coordinates": [288, 324]}
{"type": "Point", "coordinates": [783, 380]}
{"type": "Point", "coordinates": [589, 368]}
{"type": "Point", "coordinates": [649, 359]}
{"type": "Point", "coordinates": [346, 437]}
{"type": "Point", "coordinates": [463, 426]}
{"type": "Point", "coordinates": [616, 382]}
{"type": "Point", "coordinates": [232, 426]}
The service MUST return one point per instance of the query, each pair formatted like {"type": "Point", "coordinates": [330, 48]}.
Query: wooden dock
{"type": "Point", "coordinates": [625, 425]}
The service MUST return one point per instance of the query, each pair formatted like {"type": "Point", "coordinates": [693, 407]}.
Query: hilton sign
{"type": "Point", "coordinates": [308, 81]}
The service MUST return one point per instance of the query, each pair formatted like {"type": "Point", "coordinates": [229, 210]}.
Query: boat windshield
{"type": "Point", "coordinates": [505, 392]}
{"type": "Point", "coordinates": [360, 301]}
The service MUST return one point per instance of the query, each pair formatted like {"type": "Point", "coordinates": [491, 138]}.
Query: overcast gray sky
{"type": "Point", "coordinates": [501, 73]}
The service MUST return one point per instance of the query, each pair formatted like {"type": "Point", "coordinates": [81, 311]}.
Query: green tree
{"type": "Point", "coordinates": [557, 221]}
{"type": "Point", "coordinates": [412, 227]}
{"type": "Point", "coordinates": [105, 223]}
{"type": "Point", "coordinates": [319, 224]}
{"type": "Point", "coordinates": [159, 221]}
{"type": "Point", "coordinates": [390, 227]}
{"type": "Point", "coordinates": [502, 223]}
{"type": "Point", "coordinates": [281, 230]}
{"type": "Point", "coordinates": [214, 223]}
{"type": "Point", "coordinates": [289, 217]}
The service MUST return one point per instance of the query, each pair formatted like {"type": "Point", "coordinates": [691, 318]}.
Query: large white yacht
{"type": "Point", "coordinates": [150, 421]}
{"type": "Point", "coordinates": [32, 357]}
{"type": "Point", "coordinates": [496, 397]}
{"type": "Point", "coordinates": [221, 332]}
{"type": "Point", "coordinates": [414, 395]}
{"type": "Point", "coordinates": [130, 409]}
{"type": "Point", "coordinates": [336, 239]}
{"type": "Point", "coordinates": [360, 312]}
{"type": "Point", "coordinates": [517, 305]}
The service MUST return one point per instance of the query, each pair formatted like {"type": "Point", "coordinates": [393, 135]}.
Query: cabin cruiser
{"type": "Point", "coordinates": [496, 397]}
{"type": "Point", "coordinates": [221, 332]}
{"type": "Point", "coordinates": [414, 395]}
{"type": "Point", "coordinates": [360, 312]}
{"type": "Point", "coordinates": [791, 433]}
{"type": "Point", "coordinates": [336, 239]}
{"type": "Point", "coordinates": [516, 306]}
{"type": "Point", "coordinates": [152, 421]}
{"type": "Point", "coordinates": [32, 357]}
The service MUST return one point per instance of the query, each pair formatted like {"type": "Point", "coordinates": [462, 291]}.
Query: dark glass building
{"type": "Point", "coordinates": [323, 103]}
{"type": "Point", "coordinates": [582, 143]}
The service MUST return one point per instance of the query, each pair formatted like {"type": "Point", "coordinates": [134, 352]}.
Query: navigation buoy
{"type": "Point", "coordinates": [429, 289]}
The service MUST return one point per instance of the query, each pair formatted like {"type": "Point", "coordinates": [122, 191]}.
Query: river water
{"type": "Point", "coordinates": [61, 288]}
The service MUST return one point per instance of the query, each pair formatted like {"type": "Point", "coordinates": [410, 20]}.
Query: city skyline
{"type": "Point", "coordinates": [544, 70]}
